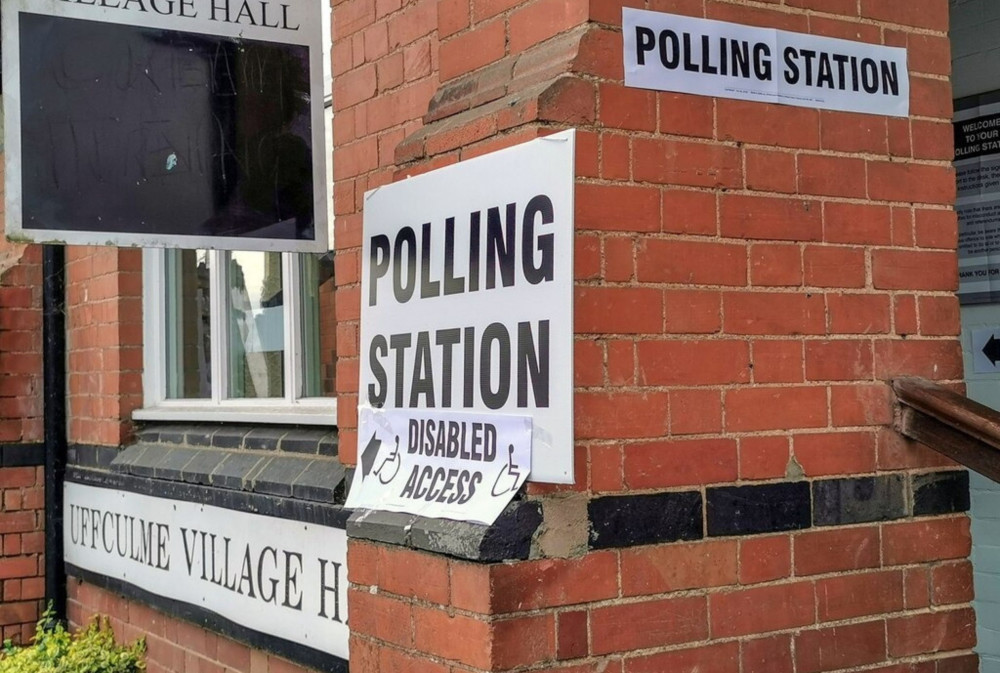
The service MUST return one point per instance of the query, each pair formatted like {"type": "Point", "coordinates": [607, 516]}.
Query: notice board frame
{"type": "Point", "coordinates": [291, 23]}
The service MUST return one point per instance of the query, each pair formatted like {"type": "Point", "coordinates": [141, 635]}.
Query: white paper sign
{"type": "Point", "coordinates": [275, 576]}
{"type": "Point", "coordinates": [977, 175]}
{"type": "Point", "coordinates": [441, 464]}
{"type": "Point", "coordinates": [467, 294]}
{"type": "Point", "coordinates": [668, 52]}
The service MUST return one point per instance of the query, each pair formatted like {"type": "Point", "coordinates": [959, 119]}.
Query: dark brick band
{"type": "Point", "coordinates": [759, 509]}
{"type": "Point", "coordinates": [22, 455]}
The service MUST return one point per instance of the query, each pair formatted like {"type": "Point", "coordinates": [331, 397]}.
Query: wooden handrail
{"type": "Point", "coordinates": [966, 431]}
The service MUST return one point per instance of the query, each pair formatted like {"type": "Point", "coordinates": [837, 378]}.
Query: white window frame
{"type": "Point", "coordinates": [289, 409]}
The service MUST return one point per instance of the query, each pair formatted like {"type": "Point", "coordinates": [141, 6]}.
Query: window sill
{"type": "Point", "coordinates": [308, 412]}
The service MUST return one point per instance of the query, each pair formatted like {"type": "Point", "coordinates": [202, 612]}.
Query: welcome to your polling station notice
{"type": "Point", "coordinates": [668, 52]}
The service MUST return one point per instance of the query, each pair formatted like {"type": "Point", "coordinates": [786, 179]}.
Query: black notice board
{"type": "Point", "coordinates": [130, 129]}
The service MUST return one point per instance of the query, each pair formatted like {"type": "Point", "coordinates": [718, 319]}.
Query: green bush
{"type": "Point", "coordinates": [55, 650]}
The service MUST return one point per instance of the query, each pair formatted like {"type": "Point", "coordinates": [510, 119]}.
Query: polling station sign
{"type": "Point", "coordinates": [178, 123]}
{"type": "Point", "coordinates": [441, 464]}
{"type": "Point", "coordinates": [467, 295]}
{"type": "Point", "coordinates": [685, 54]}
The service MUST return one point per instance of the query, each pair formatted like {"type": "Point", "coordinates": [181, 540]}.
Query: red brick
{"type": "Point", "coordinates": [911, 182]}
{"type": "Point", "coordinates": [680, 463]}
{"type": "Point", "coordinates": [951, 583]}
{"type": "Point", "coordinates": [772, 654]}
{"type": "Point", "coordinates": [471, 587]}
{"type": "Point", "coordinates": [835, 453]}
{"type": "Point", "coordinates": [770, 171]}
{"type": "Point", "coordinates": [616, 310]}
{"type": "Point", "coordinates": [675, 162]}
{"type": "Point", "coordinates": [936, 228]}
{"type": "Point", "coordinates": [691, 262]}
{"type": "Point", "coordinates": [931, 632]}
{"type": "Point", "coordinates": [777, 361]}
{"type": "Point", "coordinates": [621, 362]}
{"type": "Point", "coordinates": [775, 265]}
{"type": "Point", "coordinates": [382, 617]}
{"type": "Point", "coordinates": [615, 156]}
{"type": "Point", "coordinates": [773, 313]}
{"type": "Point", "coordinates": [677, 567]}
{"type": "Point", "coordinates": [926, 540]}
{"type": "Point", "coordinates": [763, 457]}
{"type": "Point", "coordinates": [619, 259]}
{"type": "Point", "coordinates": [652, 623]}
{"type": "Point", "coordinates": [456, 637]}
{"type": "Point", "coordinates": [721, 657]}
{"type": "Point", "coordinates": [828, 266]}
{"type": "Point", "coordinates": [930, 359]}
{"type": "Point", "coordinates": [685, 114]}
{"type": "Point", "coordinates": [607, 471]}
{"type": "Point", "coordinates": [850, 596]}
{"type": "Point", "coordinates": [572, 636]}
{"type": "Point", "coordinates": [413, 574]}
{"type": "Point", "coordinates": [586, 257]}
{"type": "Point", "coordinates": [835, 550]}
{"type": "Point", "coordinates": [523, 640]}
{"type": "Point", "coordinates": [471, 50]}
{"type": "Point", "coordinates": [914, 270]}
{"type": "Point", "coordinates": [831, 176]}
{"type": "Point", "coordinates": [858, 313]}
{"type": "Point", "coordinates": [761, 217]}
{"type": "Point", "coordinates": [627, 108]}
{"type": "Point", "coordinates": [692, 311]}
{"type": "Point", "coordinates": [542, 19]}
{"type": "Point", "coordinates": [550, 583]}
{"type": "Point", "coordinates": [782, 408]}
{"type": "Point", "coordinates": [919, 13]}
{"type": "Point", "coordinates": [588, 364]}
{"type": "Point", "coordinates": [841, 360]}
{"type": "Point", "coordinates": [853, 132]}
{"type": "Point", "coordinates": [762, 609]}
{"type": "Point", "coordinates": [904, 314]}
{"type": "Point", "coordinates": [860, 223]}
{"type": "Point", "coordinates": [695, 411]}
{"type": "Point", "coordinates": [780, 125]}
{"type": "Point", "coordinates": [689, 212]}
{"type": "Point", "coordinates": [840, 647]}
{"type": "Point", "coordinates": [599, 207]}
{"type": "Point", "coordinates": [705, 362]}
{"type": "Point", "coordinates": [453, 16]}
{"type": "Point", "coordinates": [939, 316]}
{"type": "Point", "coordinates": [765, 558]}
{"type": "Point", "coordinates": [620, 415]}
{"type": "Point", "coordinates": [916, 587]}
{"type": "Point", "coordinates": [895, 452]}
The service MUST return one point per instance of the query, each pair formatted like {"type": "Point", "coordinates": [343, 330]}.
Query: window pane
{"type": "Point", "coordinates": [319, 326]}
{"type": "Point", "coordinates": [256, 325]}
{"type": "Point", "coordinates": [188, 341]}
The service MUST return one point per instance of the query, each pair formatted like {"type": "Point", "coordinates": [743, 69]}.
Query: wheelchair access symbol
{"type": "Point", "coordinates": [509, 478]}
{"type": "Point", "coordinates": [387, 468]}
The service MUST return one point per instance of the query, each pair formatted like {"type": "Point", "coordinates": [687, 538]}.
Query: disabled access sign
{"type": "Point", "coordinates": [441, 464]}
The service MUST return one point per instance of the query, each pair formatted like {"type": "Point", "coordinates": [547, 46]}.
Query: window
{"type": "Point", "coordinates": [239, 336]}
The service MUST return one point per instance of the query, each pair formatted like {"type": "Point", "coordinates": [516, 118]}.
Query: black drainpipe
{"type": "Point", "coordinates": [54, 376]}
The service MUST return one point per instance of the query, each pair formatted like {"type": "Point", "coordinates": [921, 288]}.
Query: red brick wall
{"type": "Point", "coordinates": [22, 523]}
{"type": "Point", "coordinates": [103, 342]}
{"type": "Point", "coordinates": [749, 277]}
{"type": "Point", "coordinates": [22, 518]}
{"type": "Point", "coordinates": [172, 645]}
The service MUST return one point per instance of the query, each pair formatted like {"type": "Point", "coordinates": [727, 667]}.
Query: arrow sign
{"type": "Point", "coordinates": [992, 350]}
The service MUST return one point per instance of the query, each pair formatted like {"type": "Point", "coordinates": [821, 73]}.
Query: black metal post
{"type": "Point", "coordinates": [54, 376]}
